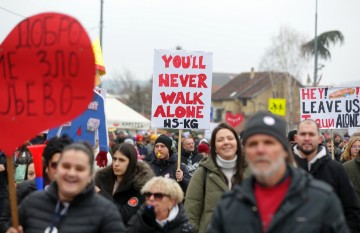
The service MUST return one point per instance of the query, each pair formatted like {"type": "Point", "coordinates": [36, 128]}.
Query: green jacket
{"type": "Point", "coordinates": [352, 169]}
{"type": "Point", "coordinates": [200, 206]}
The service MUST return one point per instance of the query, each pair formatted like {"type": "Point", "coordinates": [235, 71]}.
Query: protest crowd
{"type": "Point", "coordinates": [264, 179]}
{"type": "Point", "coordinates": [81, 178]}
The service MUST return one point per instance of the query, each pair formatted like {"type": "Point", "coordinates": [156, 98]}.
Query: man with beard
{"type": "Point", "coordinates": [277, 197]}
{"type": "Point", "coordinates": [313, 157]}
{"type": "Point", "coordinates": [189, 155]}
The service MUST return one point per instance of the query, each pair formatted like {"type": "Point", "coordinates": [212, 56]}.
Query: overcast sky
{"type": "Point", "coordinates": [236, 31]}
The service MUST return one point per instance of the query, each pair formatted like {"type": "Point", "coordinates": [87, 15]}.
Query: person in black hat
{"type": "Point", "coordinates": [277, 197]}
{"type": "Point", "coordinates": [165, 162]}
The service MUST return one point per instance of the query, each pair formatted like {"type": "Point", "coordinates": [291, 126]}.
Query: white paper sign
{"type": "Point", "coordinates": [331, 108]}
{"type": "Point", "coordinates": [181, 96]}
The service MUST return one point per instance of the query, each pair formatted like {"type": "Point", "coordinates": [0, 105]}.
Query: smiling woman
{"type": "Point", "coordinates": [66, 206]}
{"type": "Point", "coordinates": [217, 173]}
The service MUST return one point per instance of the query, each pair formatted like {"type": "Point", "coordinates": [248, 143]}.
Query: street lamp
{"type": "Point", "coordinates": [316, 47]}
{"type": "Point", "coordinates": [101, 21]}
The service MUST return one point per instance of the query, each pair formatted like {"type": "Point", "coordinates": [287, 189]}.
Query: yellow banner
{"type": "Point", "coordinates": [277, 106]}
{"type": "Point", "coordinates": [99, 61]}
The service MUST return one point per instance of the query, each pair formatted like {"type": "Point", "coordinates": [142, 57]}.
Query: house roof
{"type": "Point", "coordinates": [244, 87]}
{"type": "Point", "coordinates": [220, 79]}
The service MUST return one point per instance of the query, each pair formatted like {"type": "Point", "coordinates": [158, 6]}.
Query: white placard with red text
{"type": "Point", "coordinates": [331, 107]}
{"type": "Point", "coordinates": [181, 97]}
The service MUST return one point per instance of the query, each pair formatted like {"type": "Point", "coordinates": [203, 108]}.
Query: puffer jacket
{"type": "Point", "coordinates": [167, 168]}
{"type": "Point", "coordinates": [87, 213]}
{"type": "Point", "coordinates": [199, 205]}
{"type": "Point", "coordinates": [180, 224]}
{"type": "Point", "coordinates": [23, 189]}
{"type": "Point", "coordinates": [309, 206]}
{"type": "Point", "coordinates": [127, 197]}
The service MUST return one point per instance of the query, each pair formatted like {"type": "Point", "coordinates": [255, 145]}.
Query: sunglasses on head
{"type": "Point", "coordinates": [157, 196]}
{"type": "Point", "coordinates": [53, 165]}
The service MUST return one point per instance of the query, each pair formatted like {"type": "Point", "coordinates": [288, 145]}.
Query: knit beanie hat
{"type": "Point", "coordinates": [165, 140]}
{"type": "Point", "coordinates": [266, 123]}
{"type": "Point", "coordinates": [203, 148]}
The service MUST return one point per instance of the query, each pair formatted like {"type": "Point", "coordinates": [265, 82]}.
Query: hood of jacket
{"type": "Point", "coordinates": [299, 180]}
{"type": "Point", "coordinates": [142, 174]}
{"type": "Point", "coordinates": [321, 158]}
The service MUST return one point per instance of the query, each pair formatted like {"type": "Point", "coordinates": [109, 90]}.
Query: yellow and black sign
{"type": "Point", "coordinates": [277, 106]}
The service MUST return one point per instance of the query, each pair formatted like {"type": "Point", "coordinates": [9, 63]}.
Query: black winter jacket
{"type": "Point", "coordinates": [180, 224]}
{"type": "Point", "coordinates": [191, 160]}
{"type": "Point", "coordinates": [127, 197]}
{"type": "Point", "coordinates": [87, 213]}
{"type": "Point", "coordinates": [167, 168]}
{"type": "Point", "coordinates": [333, 173]}
{"type": "Point", "coordinates": [23, 189]}
{"type": "Point", "coordinates": [309, 206]}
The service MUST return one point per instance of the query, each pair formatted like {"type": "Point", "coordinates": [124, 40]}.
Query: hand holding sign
{"type": "Point", "coordinates": [46, 76]}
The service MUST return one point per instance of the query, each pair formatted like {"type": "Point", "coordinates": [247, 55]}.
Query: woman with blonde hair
{"type": "Point", "coordinates": [163, 210]}
{"type": "Point", "coordinates": [351, 150]}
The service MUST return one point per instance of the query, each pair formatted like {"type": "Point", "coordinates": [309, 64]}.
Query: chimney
{"type": "Point", "coordinates": [252, 73]}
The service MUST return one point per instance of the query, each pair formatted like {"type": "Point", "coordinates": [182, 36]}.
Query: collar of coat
{"type": "Point", "coordinates": [142, 174]}
{"type": "Point", "coordinates": [299, 180]}
{"type": "Point", "coordinates": [321, 158]}
{"type": "Point", "coordinates": [52, 191]}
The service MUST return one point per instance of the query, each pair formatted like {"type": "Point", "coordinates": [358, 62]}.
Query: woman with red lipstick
{"type": "Point", "coordinates": [122, 181]}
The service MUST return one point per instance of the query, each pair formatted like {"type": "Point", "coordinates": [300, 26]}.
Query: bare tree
{"type": "Point", "coordinates": [284, 55]}
{"type": "Point", "coordinates": [134, 93]}
{"type": "Point", "coordinates": [122, 84]}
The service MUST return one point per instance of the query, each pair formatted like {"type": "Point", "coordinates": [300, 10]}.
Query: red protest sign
{"type": "Point", "coordinates": [46, 76]}
{"type": "Point", "coordinates": [234, 120]}
{"type": "Point", "coordinates": [36, 153]}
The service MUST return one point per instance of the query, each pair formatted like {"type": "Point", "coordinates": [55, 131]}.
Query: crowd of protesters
{"type": "Point", "coordinates": [264, 179]}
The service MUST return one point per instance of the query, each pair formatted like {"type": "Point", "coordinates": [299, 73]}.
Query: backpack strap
{"type": "Point", "coordinates": [204, 181]}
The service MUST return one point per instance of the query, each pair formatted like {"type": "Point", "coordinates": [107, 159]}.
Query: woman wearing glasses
{"type": "Point", "coordinates": [70, 204]}
{"type": "Point", "coordinates": [122, 181]}
{"type": "Point", "coordinates": [352, 166]}
{"type": "Point", "coordinates": [163, 211]}
{"type": "Point", "coordinates": [351, 150]}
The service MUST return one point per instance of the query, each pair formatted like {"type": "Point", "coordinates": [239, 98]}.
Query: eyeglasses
{"type": "Point", "coordinates": [53, 165]}
{"type": "Point", "coordinates": [157, 196]}
{"type": "Point", "coordinates": [354, 147]}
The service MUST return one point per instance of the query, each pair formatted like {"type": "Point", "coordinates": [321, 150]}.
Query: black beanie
{"type": "Point", "coordinates": [166, 141]}
{"type": "Point", "coordinates": [266, 123]}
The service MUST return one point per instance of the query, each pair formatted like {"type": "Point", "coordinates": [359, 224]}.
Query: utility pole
{"type": "Point", "coordinates": [101, 21]}
{"type": "Point", "coordinates": [316, 48]}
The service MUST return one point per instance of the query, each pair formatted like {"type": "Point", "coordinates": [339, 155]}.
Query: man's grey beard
{"type": "Point", "coordinates": [262, 176]}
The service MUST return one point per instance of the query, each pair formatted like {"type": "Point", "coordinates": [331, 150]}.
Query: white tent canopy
{"type": "Point", "coordinates": [119, 115]}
